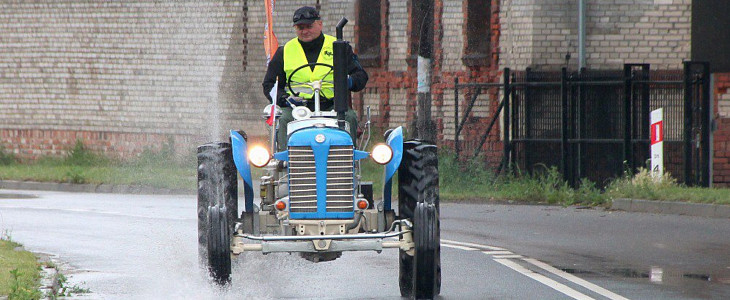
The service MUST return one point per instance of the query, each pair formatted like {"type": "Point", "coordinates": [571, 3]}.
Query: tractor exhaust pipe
{"type": "Point", "coordinates": [339, 48]}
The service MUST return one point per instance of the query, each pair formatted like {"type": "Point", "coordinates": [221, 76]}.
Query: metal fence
{"type": "Point", "coordinates": [595, 124]}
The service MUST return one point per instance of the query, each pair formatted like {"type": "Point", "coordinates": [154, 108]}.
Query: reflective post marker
{"type": "Point", "coordinates": [657, 143]}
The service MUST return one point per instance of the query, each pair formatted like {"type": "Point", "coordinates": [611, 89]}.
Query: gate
{"type": "Point", "coordinates": [595, 124]}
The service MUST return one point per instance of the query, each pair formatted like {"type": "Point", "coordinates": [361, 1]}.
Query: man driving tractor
{"type": "Point", "coordinates": [309, 47]}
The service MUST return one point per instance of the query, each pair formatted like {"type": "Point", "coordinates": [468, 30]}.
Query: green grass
{"type": "Point", "coordinates": [459, 181]}
{"type": "Point", "coordinates": [642, 186]}
{"type": "Point", "coordinates": [161, 169]}
{"type": "Point", "coordinates": [19, 272]}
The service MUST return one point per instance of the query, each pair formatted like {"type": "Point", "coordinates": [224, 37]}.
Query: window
{"type": "Point", "coordinates": [476, 46]}
{"type": "Point", "coordinates": [417, 15]}
{"type": "Point", "coordinates": [369, 27]}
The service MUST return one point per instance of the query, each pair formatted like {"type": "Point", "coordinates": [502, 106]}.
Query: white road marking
{"type": "Point", "coordinates": [508, 256]}
{"type": "Point", "coordinates": [544, 280]}
{"type": "Point", "coordinates": [478, 246]}
{"type": "Point", "coordinates": [504, 252]}
{"type": "Point", "coordinates": [575, 279]}
{"type": "Point", "coordinates": [458, 247]}
{"type": "Point", "coordinates": [502, 256]}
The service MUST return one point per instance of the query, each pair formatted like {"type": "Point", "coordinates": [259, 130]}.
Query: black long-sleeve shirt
{"type": "Point", "coordinates": [276, 72]}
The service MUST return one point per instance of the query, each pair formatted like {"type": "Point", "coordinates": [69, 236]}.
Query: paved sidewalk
{"type": "Point", "coordinates": [674, 208]}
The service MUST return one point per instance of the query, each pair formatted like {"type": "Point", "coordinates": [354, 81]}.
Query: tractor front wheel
{"type": "Point", "coordinates": [418, 200]}
{"type": "Point", "coordinates": [217, 207]}
{"type": "Point", "coordinates": [219, 245]}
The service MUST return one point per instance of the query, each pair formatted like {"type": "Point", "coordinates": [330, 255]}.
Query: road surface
{"type": "Point", "coordinates": [144, 247]}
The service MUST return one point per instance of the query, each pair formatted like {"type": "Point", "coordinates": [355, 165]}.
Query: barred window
{"type": "Point", "coordinates": [369, 31]}
{"type": "Point", "coordinates": [417, 14]}
{"type": "Point", "coordinates": [476, 28]}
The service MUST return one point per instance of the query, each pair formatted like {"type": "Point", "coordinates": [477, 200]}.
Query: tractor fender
{"type": "Point", "coordinates": [240, 158]}
{"type": "Point", "coordinates": [395, 141]}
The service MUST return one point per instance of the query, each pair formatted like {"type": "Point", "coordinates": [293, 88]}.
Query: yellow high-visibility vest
{"type": "Point", "coordinates": [294, 58]}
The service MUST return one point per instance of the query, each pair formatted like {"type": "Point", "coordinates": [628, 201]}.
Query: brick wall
{"type": "Point", "coordinates": [128, 74]}
{"type": "Point", "coordinates": [539, 34]}
{"type": "Point", "coordinates": [123, 71]}
{"type": "Point", "coordinates": [397, 35]}
{"type": "Point", "coordinates": [721, 137]}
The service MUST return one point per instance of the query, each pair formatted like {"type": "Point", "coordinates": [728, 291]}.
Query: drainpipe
{"type": "Point", "coordinates": [581, 34]}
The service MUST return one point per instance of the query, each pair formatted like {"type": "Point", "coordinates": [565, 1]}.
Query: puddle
{"type": "Point", "coordinates": [17, 196]}
{"type": "Point", "coordinates": [658, 275]}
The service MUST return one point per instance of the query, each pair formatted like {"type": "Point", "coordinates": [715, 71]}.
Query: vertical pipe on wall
{"type": "Point", "coordinates": [581, 34]}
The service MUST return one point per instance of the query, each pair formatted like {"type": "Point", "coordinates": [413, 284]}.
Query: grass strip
{"type": "Point", "coordinates": [19, 272]}
{"type": "Point", "coordinates": [459, 180]}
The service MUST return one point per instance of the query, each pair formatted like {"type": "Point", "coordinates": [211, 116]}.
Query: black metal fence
{"type": "Point", "coordinates": [595, 124]}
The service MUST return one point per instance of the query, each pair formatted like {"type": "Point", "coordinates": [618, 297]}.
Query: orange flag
{"type": "Point", "coordinates": [270, 46]}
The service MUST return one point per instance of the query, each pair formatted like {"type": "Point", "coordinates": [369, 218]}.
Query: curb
{"type": "Point", "coordinates": [91, 188]}
{"type": "Point", "coordinates": [672, 208]}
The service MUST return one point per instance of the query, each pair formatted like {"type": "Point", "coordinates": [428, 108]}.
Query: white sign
{"type": "Point", "coordinates": [657, 142]}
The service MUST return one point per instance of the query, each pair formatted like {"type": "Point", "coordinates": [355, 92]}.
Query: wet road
{"type": "Point", "coordinates": [144, 247]}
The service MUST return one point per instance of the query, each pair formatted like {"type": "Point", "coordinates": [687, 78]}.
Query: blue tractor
{"type": "Point", "coordinates": [313, 200]}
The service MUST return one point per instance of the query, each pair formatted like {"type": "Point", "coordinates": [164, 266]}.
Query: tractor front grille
{"type": "Point", "coordinates": [303, 180]}
{"type": "Point", "coordinates": [340, 179]}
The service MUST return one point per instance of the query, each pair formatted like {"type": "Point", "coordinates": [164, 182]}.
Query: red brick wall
{"type": "Point", "coordinates": [34, 143]}
{"type": "Point", "coordinates": [721, 137]}
{"type": "Point", "coordinates": [382, 80]}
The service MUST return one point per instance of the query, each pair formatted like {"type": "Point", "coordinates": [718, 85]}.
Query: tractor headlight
{"type": "Point", "coordinates": [382, 154]}
{"type": "Point", "coordinates": [259, 156]}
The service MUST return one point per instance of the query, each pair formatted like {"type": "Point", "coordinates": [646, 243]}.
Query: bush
{"type": "Point", "coordinates": [6, 157]}
{"type": "Point", "coordinates": [641, 185]}
{"type": "Point", "coordinates": [79, 155]}
{"type": "Point", "coordinates": [165, 156]}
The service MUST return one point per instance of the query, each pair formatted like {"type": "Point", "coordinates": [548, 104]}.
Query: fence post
{"type": "Point", "coordinates": [705, 102]}
{"type": "Point", "coordinates": [645, 108]}
{"type": "Point", "coordinates": [688, 124]}
{"type": "Point", "coordinates": [505, 119]}
{"type": "Point", "coordinates": [514, 119]}
{"type": "Point", "coordinates": [628, 99]}
{"type": "Point", "coordinates": [456, 116]}
{"type": "Point", "coordinates": [567, 175]}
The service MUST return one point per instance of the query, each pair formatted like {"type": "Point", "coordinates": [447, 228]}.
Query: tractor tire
{"type": "Point", "coordinates": [426, 261]}
{"type": "Point", "coordinates": [418, 183]}
{"type": "Point", "coordinates": [418, 177]}
{"type": "Point", "coordinates": [217, 186]}
{"type": "Point", "coordinates": [219, 245]}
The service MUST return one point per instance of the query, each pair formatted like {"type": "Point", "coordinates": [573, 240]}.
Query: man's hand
{"type": "Point", "coordinates": [296, 101]}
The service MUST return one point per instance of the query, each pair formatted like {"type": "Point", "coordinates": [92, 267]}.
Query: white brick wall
{"type": "Point", "coordinates": [453, 38]}
{"type": "Point", "coordinates": [398, 98]}
{"type": "Point", "coordinates": [538, 34]}
{"type": "Point", "coordinates": [398, 35]}
{"type": "Point", "coordinates": [724, 105]}
{"type": "Point", "coordinates": [371, 98]}
{"type": "Point", "coordinates": [166, 67]}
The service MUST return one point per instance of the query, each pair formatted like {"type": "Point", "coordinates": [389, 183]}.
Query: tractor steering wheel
{"type": "Point", "coordinates": [289, 81]}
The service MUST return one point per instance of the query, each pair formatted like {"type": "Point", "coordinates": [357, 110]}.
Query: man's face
{"type": "Point", "coordinates": [309, 32]}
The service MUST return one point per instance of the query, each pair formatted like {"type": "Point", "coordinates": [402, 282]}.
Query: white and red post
{"type": "Point", "coordinates": [657, 142]}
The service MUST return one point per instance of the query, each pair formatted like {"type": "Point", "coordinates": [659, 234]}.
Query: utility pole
{"type": "Point", "coordinates": [425, 128]}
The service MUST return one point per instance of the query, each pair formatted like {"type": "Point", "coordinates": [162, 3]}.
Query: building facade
{"type": "Point", "coordinates": [132, 74]}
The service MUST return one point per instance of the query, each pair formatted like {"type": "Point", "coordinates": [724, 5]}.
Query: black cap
{"type": "Point", "coordinates": [305, 15]}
